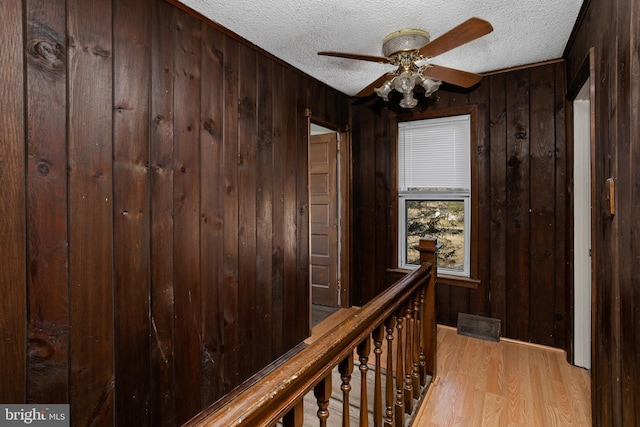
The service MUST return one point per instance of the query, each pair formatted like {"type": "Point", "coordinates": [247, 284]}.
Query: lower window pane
{"type": "Point", "coordinates": [442, 219]}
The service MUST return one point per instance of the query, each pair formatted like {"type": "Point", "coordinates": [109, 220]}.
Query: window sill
{"type": "Point", "coordinates": [460, 282]}
{"type": "Point", "coordinates": [442, 279]}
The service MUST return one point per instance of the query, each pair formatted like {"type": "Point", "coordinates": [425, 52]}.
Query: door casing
{"type": "Point", "coordinates": [343, 183]}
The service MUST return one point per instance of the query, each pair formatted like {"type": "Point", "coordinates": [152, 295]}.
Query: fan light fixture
{"type": "Point", "coordinates": [409, 51]}
{"type": "Point", "coordinates": [401, 47]}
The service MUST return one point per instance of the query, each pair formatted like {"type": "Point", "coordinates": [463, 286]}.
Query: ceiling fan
{"type": "Point", "coordinates": [410, 51]}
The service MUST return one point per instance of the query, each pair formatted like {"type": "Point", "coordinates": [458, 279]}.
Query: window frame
{"type": "Point", "coordinates": [472, 111]}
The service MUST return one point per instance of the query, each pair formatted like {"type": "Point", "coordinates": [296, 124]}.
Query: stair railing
{"type": "Point", "coordinates": [405, 312]}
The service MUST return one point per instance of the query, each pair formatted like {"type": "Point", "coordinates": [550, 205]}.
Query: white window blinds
{"type": "Point", "coordinates": [434, 155]}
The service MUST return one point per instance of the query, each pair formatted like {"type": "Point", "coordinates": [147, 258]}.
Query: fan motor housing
{"type": "Point", "coordinates": [404, 41]}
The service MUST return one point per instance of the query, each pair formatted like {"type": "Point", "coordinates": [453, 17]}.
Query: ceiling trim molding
{"type": "Point", "coordinates": [522, 67]}
{"type": "Point", "coordinates": [576, 26]}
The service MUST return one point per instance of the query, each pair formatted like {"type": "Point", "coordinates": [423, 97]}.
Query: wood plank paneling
{"type": "Point", "coordinates": [229, 288]}
{"type": "Point", "coordinates": [186, 193]}
{"type": "Point", "coordinates": [290, 212]}
{"type": "Point", "coordinates": [298, 295]}
{"type": "Point", "coordinates": [158, 230]}
{"type": "Point", "coordinates": [162, 353]}
{"type": "Point", "coordinates": [443, 304]}
{"type": "Point", "coordinates": [610, 29]}
{"type": "Point", "coordinates": [563, 219]}
{"type": "Point", "coordinates": [543, 164]}
{"type": "Point", "coordinates": [481, 168]}
{"type": "Point", "coordinates": [303, 234]}
{"type": "Point", "coordinates": [358, 116]}
{"type": "Point", "coordinates": [47, 219]}
{"type": "Point", "coordinates": [13, 304]}
{"type": "Point", "coordinates": [518, 206]}
{"type": "Point", "coordinates": [631, 290]}
{"type": "Point", "coordinates": [132, 83]}
{"type": "Point", "coordinates": [364, 185]}
{"type": "Point", "coordinates": [90, 147]}
{"type": "Point", "coordinates": [625, 171]}
{"type": "Point", "coordinates": [518, 115]}
{"type": "Point", "coordinates": [211, 214]}
{"type": "Point", "coordinates": [247, 137]}
{"type": "Point", "coordinates": [498, 180]}
{"type": "Point", "coordinates": [264, 213]}
{"type": "Point", "coordinates": [382, 194]}
{"type": "Point", "coordinates": [460, 302]}
{"type": "Point", "coordinates": [608, 335]}
{"type": "Point", "coordinates": [280, 124]}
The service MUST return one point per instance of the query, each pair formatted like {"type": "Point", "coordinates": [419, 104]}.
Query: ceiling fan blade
{"type": "Point", "coordinates": [469, 30]}
{"type": "Point", "coordinates": [451, 75]}
{"type": "Point", "coordinates": [376, 83]}
{"type": "Point", "coordinates": [371, 58]}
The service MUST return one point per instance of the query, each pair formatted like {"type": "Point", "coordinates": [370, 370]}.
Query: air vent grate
{"type": "Point", "coordinates": [479, 327]}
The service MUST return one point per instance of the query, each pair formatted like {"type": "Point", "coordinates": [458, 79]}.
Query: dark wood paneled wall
{"type": "Point", "coordinates": [611, 29]}
{"type": "Point", "coordinates": [153, 173]}
{"type": "Point", "coordinates": [520, 194]}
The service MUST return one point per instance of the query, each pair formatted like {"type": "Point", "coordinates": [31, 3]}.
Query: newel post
{"type": "Point", "coordinates": [428, 248]}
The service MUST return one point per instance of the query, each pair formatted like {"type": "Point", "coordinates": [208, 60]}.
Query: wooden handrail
{"type": "Point", "coordinates": [277, 392]}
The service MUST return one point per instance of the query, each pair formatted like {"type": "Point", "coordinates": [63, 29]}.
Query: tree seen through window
{"type": "Point", "coordinates": [442, 219]}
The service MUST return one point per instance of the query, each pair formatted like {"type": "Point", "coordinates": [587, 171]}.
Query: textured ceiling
{"type": "Point", "coordinates": [525, 31]}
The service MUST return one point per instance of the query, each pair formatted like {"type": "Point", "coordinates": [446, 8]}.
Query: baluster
{"type": "Point", "coordinates": [389, 324]}
{"type": "Point", "coordinates": [378, 336]}
{"type": "Point", "coordinates": [416, 347]}
{"type": "Point", "coordinates": [364, 348]}
{"type": "Point", "coordinates": [399, 407]}
{"type": "Point", "coordinates": [346, 368]}
{"type": "Point", "coordinates": [408, 365]}
{"type": "Point", "coordinates": [423, 358]}
{"type": "Point", "coordinates": [295, 416]}
{"type": "Point", "coordinates": [322, 392]}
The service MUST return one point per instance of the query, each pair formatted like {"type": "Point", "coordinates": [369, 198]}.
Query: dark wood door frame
{"type": "Point", "coordinates": [587, 71]}
{"type": "Point", "coordinates": [344, 206]}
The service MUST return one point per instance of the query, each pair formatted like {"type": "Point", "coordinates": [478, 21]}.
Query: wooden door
{"type": "Point", "coordinates": [324, 218]}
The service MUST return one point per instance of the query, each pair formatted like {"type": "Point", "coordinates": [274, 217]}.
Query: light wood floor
{"type": "Point", "coordinates": [482, 383]}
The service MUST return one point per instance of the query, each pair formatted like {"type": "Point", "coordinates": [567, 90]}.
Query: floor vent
{"type": "Point", "coordinates": [484, 328]}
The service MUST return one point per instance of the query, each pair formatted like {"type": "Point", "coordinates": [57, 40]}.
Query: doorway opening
{"type": "Point", "coordinates": [328, 209]}
{"type": "Point", "coordinates": [323, 216]}
{"type": "Point", "coordinates": [582, 220]}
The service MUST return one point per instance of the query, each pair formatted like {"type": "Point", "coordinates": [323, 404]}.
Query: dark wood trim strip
{"type": "Point", "coordinates": [576, 26]}
{"type": "Point", "coordinates": [523, 67]}
{"type": "Point", "coordinates": [459, 282]}
{"type": "Point", "coordinates": [584, 71]}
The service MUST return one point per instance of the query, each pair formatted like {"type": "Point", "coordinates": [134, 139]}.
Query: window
{"type": "Point", "coordinates": [434, 190]}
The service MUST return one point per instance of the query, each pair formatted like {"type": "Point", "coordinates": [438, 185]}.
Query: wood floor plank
{"type": "Point", "coordinates": [509, 383]}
